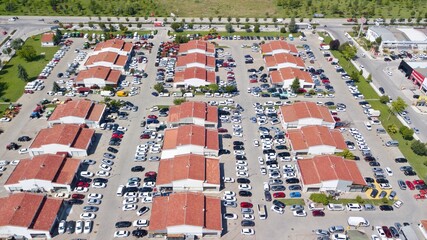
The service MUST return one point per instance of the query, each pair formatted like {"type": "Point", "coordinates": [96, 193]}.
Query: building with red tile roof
{"type": "Point", "coordinates": [330, 173]}
{"type": "Point", "coordinates": [194, 77]}
{"type": "Point", "coordinates": [186, 214]}
{"type": "Point", "coordinates": [48, 39]}
{"type": "Point", "coordinates": [302, 114]}
{"type": "Point", "coordinates": [45, 173]}
{"type": "Point", "coordinates": [118, 46]}
{"type": "Point", "coordinates": [284, 78]}
{"type": "Point", "coordinates": [73, 139]}
{"type": "Point", "coordinates": [197, 46]}
{"type": "Point", "coordinates": [315, 140]}
{"type": "Point", "coordinates": [111, 60]}
{"type": "Point", "coordinates": [282, 60]}
{"type": "Point", "coordinates": [189, 172]}
{"type": "Point", "coordinates": [195, 60]}
{"type": "Point", "coordinates": [190, 139]}
{"type": "Point", "coordinates": [78, 112]}
{"type": "Point", "coordinates": [198, 113]}
{"type": "Point", "coordinates": [276, 47]}
{"type": "Point", "coordinates": [423, 228]}
{"type": "Point", "coordinates": [98, 76]}
{"type": "Point", "coordinates": [30, 216]}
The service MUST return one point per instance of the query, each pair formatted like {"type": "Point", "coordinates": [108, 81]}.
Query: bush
{"type": "Point", "coordinates": [359, 199]}
{"type": "Point", "coordinates": [406, 132]}
{"type": "Point", "coordinates": [425, 163]}
{"type": "Point", "coordinates": [319, 198]}
{"type": "Point", "coordinates": [419, 148]}
{"type": "Point", "coordinates": [384, 99]}
{"type": "Point", "coordinates": [178, 101]}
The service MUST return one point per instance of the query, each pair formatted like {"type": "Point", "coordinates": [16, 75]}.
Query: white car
{"type": "Point", "coordinates": [248, 217]}
{"type": "Point", "coordinates": [230, 216]}
{"type": "Point", "coordinates": [105, 167]}
{"type": "Point", "coordinates": [23, 151]}
{"type": "Point", "coordinates": [245, 187]}
{"type": "Point", "coordinates": [299, 213]}
{"type": "Point", "coordinates": [277, 209]}
{"type": "Point", "coordinates": [147, 199]}
{"type": "Point", "coordinates": [79, 226]}
{"type": "Point", "coordinates": [88, 227]}
{"type": "Point", "coordinates": [5, 119]}
{"type": "Point", "coordinates": [121, 234]}
{"type": "Point", "coordinates": [130, 200]}
{"type": "Point", "coordinates": [242, 174]}
{"type": "Point", "coordinates": [229, 198]}
{"type": "Point", "coordinates": [95, 195]}
{"type": "Point", "coordinates": [62, 195]}
{"type": "Point", "coordinates": [102, 174]}
{"type": "Point", "coordinates": [241, 168]}
{"type": "Point", "coordinates": [81, 189]}
{"type": "Point", "coordinates": [87, 216]}
{"type": "Point", "coordinates": [247, 231]}
{"type": "Point", "coordinates": [228, 180]}
{"type": "Point", "coordinates": [261, 160]}
{"type": "Point", "coordinates": [15, 162]}
{"type": "Point", "coordinates": [239, 152]}
{"type": "Point", "coordinates": [388, 171]}
{"type": "Point", "coordinates": [129, 207]}
{"type": "Point", "coordinates": [141, 223]}
{"type": "Point", "coordinates": [61, 227]}
{"type": "Point", "coordinates": [94, 201]}
{"type": "Point", "coordinates": [263, 170]}
{"type": "Point", "coordinates": [86, 174]}
{"type": "Point", "coordinates": [256, 143]}
{"type": "Point", "coordinates": [99, 185]}
{"type": "Point", "coordinates": [241, 163]}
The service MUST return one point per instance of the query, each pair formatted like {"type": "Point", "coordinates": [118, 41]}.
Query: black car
{"type": "Point", "coordinates": [245, 194]}
{"type": "Point", "coordinates": [155, 94]}
{"type": "Point", "coordinates": [113, 150]}
{"type": "Point", "coordinates": [374, 164]}
{"type": "Point", "coordinates": [146, 189]}
{"type": "Point", "coordinates": [292, 180]}
{"type": "Point", "coordinates": [370, 159]}
{"type": "Point", "coordinates": [131, 189]}
{"type": "Point", "coordinates": [241, 157]}
{"type": "Point", "coordinates": [224, 151]}
{"type": "Point", "coordinates": [75, 201]}
{"type": "Point", "coordinates": [90, 209]}
{"type": "Point", "coordinates": [226, 136]}
{"type": "Point", "coordinates": [400, 160]}
{"type": "Point", "coordinates": [149, 179]}
{"type": "Point", "coordinates": [24, 139]}
{"type": "Point", "coordinates": [238, 143]}
{"type": "Point", "coordinates": [247, 223]}
{"type": "Point", "coordinates": [139, 233]}
{"type": "Point", "coordinates": [267, 196]}
{"type": "Point", "coordinates": [243, 180]}
{"type": "Point", "coordinates": [137, 169]}
{"type": "Point", "coordinates": [271, 162]}
{"type": "Point", "coordinates": [410, 173]}
{"type": "Point", "coordinates": [420, 186]}
{"type": "Point", "coordinates": [394, 232]}
{"type": "Point", "coordinates": [281, 147]}
{"type": "Point", "coordinates": [100, 180]}
{"type": "Point", "coordinates": [276, 188]}
{"type": "Point", "coordinates": [369, 180]}
{"type": "Point", "coordinates": [279, 203]}
{"type": "Point", "coordinates": [294, 187]}
{"type": "Point", "coordinates": [374, 193]}
{"type": "Point", "coordinates": [238, 147]}
{"type": "Point", "coordinates": [71, 225]}
{"type": "Point", "coordinates": [123, 224]}
{"type": "Point", "coordinates": [381, 180]}
{"type": "Point", "coordinates": [114, 142]}
{"type": "Point", "coordinates": [381, 89]}
{"type": "Point", "coordinates": [386, 208]}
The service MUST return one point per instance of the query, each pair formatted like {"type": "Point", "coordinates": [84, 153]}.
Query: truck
{"type": "Point", "coordinates": [107, 93]}
{"type": "Point", "coordinates": [324, 46]}
{"type": "Point", "coordinates": [358, 222]}
{"type": "Point", "coordinates": [374, 113]}
{"type": "Point", "coordinates": [315, 206]}
{"type": "Point", "coordinates": [159, 24]}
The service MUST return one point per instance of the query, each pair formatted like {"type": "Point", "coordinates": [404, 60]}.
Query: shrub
{"type": "Point", "coordinates": [419, 148]}
{"type": "Point", "coordinates": [384, 99]}
{"type": "Point", "coordinates": [319, 198]}
{"type": "Point", "coordinates": [406, 132]}
{"type": "Point", "coordinates": [359, 199]}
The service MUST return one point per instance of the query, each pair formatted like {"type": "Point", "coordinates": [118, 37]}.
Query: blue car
{"type": "Point", "coordinates": [295, 194]}
{"type": "Point", "coordinates": [253, 119]}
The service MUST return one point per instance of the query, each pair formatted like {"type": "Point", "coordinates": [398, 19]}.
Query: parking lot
{"type": "Point", "coordinates": [243, 131]}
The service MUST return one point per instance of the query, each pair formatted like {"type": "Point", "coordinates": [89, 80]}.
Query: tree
{"type": "Point", "coordinates": [369, 78]}
{"type": "Point", "coordinates": [55, 87]}
{"type": "Point", "coordinates": [319, 198]}
{"type": "Point", "coordinates": [81, 24]}
{"type": "Point", "coordinates": [334, 44]}
{"type": "Point", "coordinates": [228, 19]}
{"type": "Point", "coordinates": [7, 51]}
{"type": "Point", "coordinates": [282, 30]}
{"type": "Point", "coordinates": [176, 25]}
{"type": "Point", "coordinates": [210, 19]}
{"type": "Point", "coordinates": [292, 26]}
{"type": "Point", "coordinates": [348, 51]}
{"type": "Point", "coordinates": [398, 106]}
{"type": "Point", "coordinates": [378, 40]}
{"type": "Point", "coordinates": [392, 128]}
{"type": "Point", "coordinates": [22, 73]}
{"type": "Point", "coordinates": [213, 88]}
{"type": "Point", "coordinates": [181, 39]}
{"type": "Point", "coordinates": [159, 87]}
{"type": "Point", "coordinates": [419, 148]}
{"type": "Point", "coordinates": [179, 101]}
{"type": "Point", "coordinates": [346, 154]}
{"type": "Point", "coordinates": [384, 99]}
{"type": "Point", "coordinates": [355, 76]}
{"type": "Point", "coordinates": [256, 19]}
{"type": "Point", "coordinates": [295, 85]}
{"type": "Point", "coordinates": [229, 28]}
{"type": "Point", "coordinates": [247, 19]}
{"type": "Point", "coordinates": [256, 28]}
{"type": "Point", "coordinates": [230, 89]}
{"type": "Point", "coordinates": [16, 43]}
{"type": "Point", "coordinates": [28, 53]}
{"type": "Point", "coordinates": [274, 19]}
{"type": "Point", "coordinates": [406, 132]}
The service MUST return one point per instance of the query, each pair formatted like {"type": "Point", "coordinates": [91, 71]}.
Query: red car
{"type": "Point", "coordinates": [151, 174]}
{"type": "Point", "coordinates": [418, 182]}
{"type": "Point", "coordinates": [410, 185]}
{"type": "Point", "coordinates": [326, 81]}
{"type": "Point", "coordinates": [222, 130]}
{"type": "Point", "coordinates": [387, 232]}
{"type": "Point", "coordinates": [144, 136]}
{"type": "Point", "coordinates": [82, 184]}
{"type": "Point", "coordinates": [419, 196]}
{"type": "Point", "coordinates": [246, 205]}
{"type": "Point", "coordinates": [152, 116]}
{"type": "Point", "coordinates": [116, 135]}
{"type": "Point", "coordinates": [253, 81]}
{"type": "Point", "coordinates": [318, 213]}
{"type": "Point", "coordinates": [337, 119]}
{"type": "Point", "coordinates": [77, 196]}
{"type": "Point", "coordinates": [279, 195]}
{"type": "Point", "coordinates": [423, 191]}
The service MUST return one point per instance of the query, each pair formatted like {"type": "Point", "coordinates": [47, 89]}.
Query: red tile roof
{"type": "Point", "coordinates": [80, 108]}
{"type": "Point", "coordinates": [195, 73]}
{"type": "Point", "coordinates": [183, 61]}
{"type": "Point", "coordinates": [302, 110]}
{"type": "Point", "coordinates": [191, 209]}
{"type": "Point", "coordinates": [197, 44]}
{"type": "Point", "coordinates": [114, 43]}
{"type": "Point", "coordinates": [288, 73]}
{"type": "Point", "coordinates": [25, 209]}
{"type": "Point", "coordinates": [96, 112]}
{"type": "Point", "coordinates": [310, 136]}
{"type": "Point", "coordinates": [191, 135]}
{"type": "Point", "coordinates": [64, 134]}
{"type": "Point", "coordinates": [49, 167]}
{"type": "Point", "coordinates": [47, 37]}
{"type": "Point", "coordinates": [193, 110]}
{"type": "Point", "coordinates": [275, 60]}
{"type": "Point", "coordinates": [268, 48]}
{"type": "Point", "coordinates": [189, 166]}
{"type": "Point", "coordinates": [110, 57]}
{"type": "Point", "coordinates": [327, 168]}
{"type": "Point", "coordinates": [424, 224]}
{"type": "Point", "coordinates": [105, 73]}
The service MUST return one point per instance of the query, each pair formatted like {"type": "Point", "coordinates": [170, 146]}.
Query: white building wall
{"type": "Point", "coordinates": [72, 120]}
{"type": "Point", "coordinates": [195, 82]}
{"type": "Point", "coordinates": [185, 229]}
{"type": "Point", "coordinates": [21, 231]}
{"type": "Point", "coordinates": [309, 122]}
{"type": "Point", "coordinates": [54, 148]}
{"type": "Point", "coordinates": [199, 121]}
{"type": "Point", "coordinates": [321, 149]}
{"type": "Point", "coordinates": [89, 82]}
{"type": "Point", "coordinates": [187, 185]}
{"type": "Point", "coordinates": [48, 44]}
{"type": "Point", "coordinates": [288, 82]}
{"type": "Point", "coordinates": [306, 187]}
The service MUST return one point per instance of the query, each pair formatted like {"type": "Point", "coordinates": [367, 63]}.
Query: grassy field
{"type": "Point", "coordinates": [238, 33]}
{"type": "Point", "coordinates": [13, 86]}
{"type": "Point", "coordinates": [292, 201]}
{"type": "Point", "coordinates": [223, 8]}
{"type": "Point", "coordinates": [386, 118]}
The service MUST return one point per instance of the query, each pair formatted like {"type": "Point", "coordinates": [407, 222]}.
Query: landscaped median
{"type": "Point", "coordinates": [387, 117]}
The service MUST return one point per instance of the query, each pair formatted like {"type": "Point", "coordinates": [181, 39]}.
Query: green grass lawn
{"type": "Point", "coordinates": [292, 201]}
{"type": "Point", "coordinates": [239, 33]}
{"type": "Point", "coordinates": [102, 32]}
{"type": "Point", "coordinates": [14, 87]}
{"type": "Point", "coordinates": [386, 118]}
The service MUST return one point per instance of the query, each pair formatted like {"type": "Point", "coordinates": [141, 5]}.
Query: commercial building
{"type": "Point", "coordinates": [111, 60]}
{"type": "Point", "coordinates": [98, 76]}
{"type": "Point", "coordinates": [190, 139]}
{"type": "Point", "coordinates": [43, 173]}
{"type": "Point", "coordinates": [70, 139]}
{"type": "Point", "coordinates": [416, 72]}
{"type": "Point", "coordinates": [283, 60]}
{"type": "Point", "coordinates": [315, 140]}
{"type": "Point", "coordinates": [194, 77]}
{"type": "Point", "coordinates": [198, 60]}
{"type": "Point", "coordinates": [302, 114]}
{"type": "Point", "coordinates": [186, 216]}
{"type": "Point", "coordinates": [29, 216]}
{"type": "Point", "coordinates": [48, 39]}
{"type": "Point", "coordinates": [398, 38]}
{"type": "Point", "coordinates": [189, 172]}
{"type": "Point", "coordinates": [284, 78]}
{"type": "Point", "coordinates": [330, 173]}
{"type": "Point", "coordinates": [197, 113]}
{"type": "Point", "coordinates": [276, 47]}
{"type": "Point", "coordinates": [114, 45]}
{"type": "Point", "coordinates": [197, 46]}
{"type": "Point", "coordinates": [78, 112]}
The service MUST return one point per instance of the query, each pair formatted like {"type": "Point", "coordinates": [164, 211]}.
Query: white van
{"type": "Point", "coordinates": [188, 95]}
{"type": "Point", "coordinates": [262, 212]}
{"type": "Point", "coordinates": [120, 191]}
{"type": "Point", "coordinates": [358, 222]}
